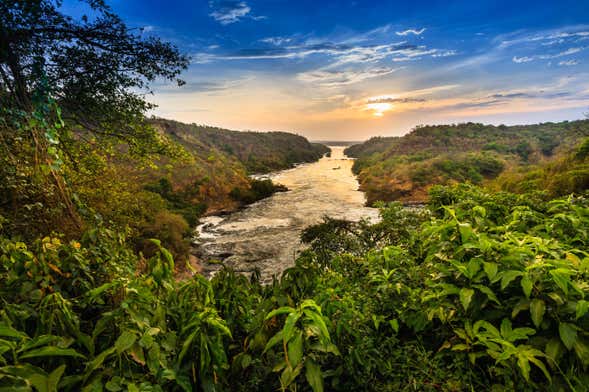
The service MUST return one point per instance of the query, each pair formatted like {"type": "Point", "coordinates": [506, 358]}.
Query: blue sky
{"type": "Point", "coordinates": [349, 70]}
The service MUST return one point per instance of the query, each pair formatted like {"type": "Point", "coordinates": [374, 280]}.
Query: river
{"type": "Point", "coordinates": [266, 234]}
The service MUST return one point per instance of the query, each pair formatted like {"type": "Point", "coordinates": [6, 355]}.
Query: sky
{"type": "Point", "coordinates": [353, 69]}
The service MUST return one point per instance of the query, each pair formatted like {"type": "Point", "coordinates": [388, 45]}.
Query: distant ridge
{"type": "Point", "coordinates": [337, 143]}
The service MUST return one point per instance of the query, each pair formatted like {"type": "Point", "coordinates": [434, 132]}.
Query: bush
{"type": "Point", "coordinates": [259, 189]}
{"type": "Point", "coordinates": [173, 232]}
{"type": "Point", "coordinates": [476, 291]}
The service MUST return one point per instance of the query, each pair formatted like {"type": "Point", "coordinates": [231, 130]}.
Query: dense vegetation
{"type": "Point", "coordinates": [260, 152]}
{"type": "Point", "coordinates": [77, 150]}
{"type": "Point", "coordinates": [477, 290]}
{"type": "Point", "coordinates": [404, 168]}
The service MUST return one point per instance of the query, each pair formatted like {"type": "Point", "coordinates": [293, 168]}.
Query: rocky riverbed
{"type": "Point", "coordinates": [265, 235]}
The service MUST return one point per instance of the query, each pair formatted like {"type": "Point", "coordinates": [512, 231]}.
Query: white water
{"type": "Point", "coordinates": [265, 235]}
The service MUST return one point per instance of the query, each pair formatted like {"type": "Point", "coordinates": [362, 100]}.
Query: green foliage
{"type": "Point", "coordinates": [303, 337]}
{"type": "Point", "coordinates": [477, 290]}
{"type": "Point", "coordinates": [404, 168]}
{"type": "Point", "coordinates": [260, 152]}
{"type": "Point", "coordinates": [558, 177]}
{"type": "Point", "coordinates": [259, 189]}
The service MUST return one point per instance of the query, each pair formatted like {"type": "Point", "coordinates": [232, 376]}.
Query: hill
{"type": "Point", "coordinates": [259, 152]}
{"type": "Point", "coordinates": [404, 168]}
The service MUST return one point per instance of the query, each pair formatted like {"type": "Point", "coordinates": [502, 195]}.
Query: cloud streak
{"type": "Point", "coordinates": [341, 54]}
{"type": "Point", "coordinates": [410, 31]}
{"type": "Point", "coordinates": [227, 12]}
{"type": "Point", "coordinates": [327, 78]}
{"type": "Point", "coordinates": [527, 59]}
{"type": "Point", "coordinates": [276, 41]}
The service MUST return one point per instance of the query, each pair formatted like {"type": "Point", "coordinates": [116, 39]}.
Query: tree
{"type": "Point", "coordinates": [64, 81]}
{"type": "Point", "coordinates": [92, 67]}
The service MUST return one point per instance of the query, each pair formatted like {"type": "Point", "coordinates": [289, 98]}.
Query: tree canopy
{"type": "Point", "coordinates": [96, 68]}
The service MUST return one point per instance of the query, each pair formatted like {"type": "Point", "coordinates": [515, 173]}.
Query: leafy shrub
{"type": "Point", "coordinates": [259, 189]}
{"type": "Point", "coordinates": [172, 230]}
{"type": "Point", "coordinates": [474, 291]}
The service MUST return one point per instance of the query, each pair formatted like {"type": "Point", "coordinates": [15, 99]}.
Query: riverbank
{"type": "Point", "coordinates": [264, 236]}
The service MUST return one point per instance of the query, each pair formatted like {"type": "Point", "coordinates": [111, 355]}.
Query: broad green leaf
{"type": "Point", "coordinates": [313, 375]}
{"type": "Point", "coordinates": [295, 349]}
{"type": "Point", "coordinates": [465, 231]}
{"type": "Point", "coordinates": [449, 289]}
{"type": "Point", "coordinates": [581, 308]}
{"type": "Point", "coordinates": [527, 284]}
{"type": "Point", "coordinates": [541, 366]}
{"type": "Point", "coordinates": [508, 276]}
{"type": "Point", "coordinates": [168, 257]}
{"type": "Point", "coordinates": [488, 292]}
{"type": "Point", "coordinates": [472, 267]}
{"type": "Point", "coordinates": [506, 328]}
{"type": "Point", "coordinates": [274, 340]}
{"type": "Point", "coordinates": [573, 259]}
{"type": "Point", "coordinates": [490, 269]}
{"type": "Point", "coordinates": [568, 334]}
{"type": "Point", "coordinates": [279, 311]}
{"type": "Point", "coordinates": [460, 347]}
{"type": "Point", "coordinates": [54, 377]}
{"type": "Point", "coordinates": [465, 297]}
{"type": "Point", "coordinates": [125, 342]}
{"type": "Point", "coordinates": [537, 310]}
{"type": "Point", "coordinates": [524, 366]}
{"type": "Point", "coordinates": [218, 325]}
{"type": "Point", "coordinates": [309, 303]}
{"type": "Point", "coordinates": [40, 341]}
{"type": "Point", "coordinates": [100, 289]}
{"type": "Point", "coordinates": [523, 304]}
{"type": "Point", "coordinates": [246, 361]}
{"type": "Point", "coordinates": [290, 325]}
{"type": "Point", "coordinates": [319, 323]}
{"type": "Point", "coordinates": [556, 297]}
{"type": "Point", "coordinates": [554, 349]}
{"type": "Point", "coordinates": [98, 360]}
{"type": "Point", "coordinates": [394, 325]}
{"type": "Point", "coordinates": [289, 374]}
{"type": "Point", "coordinates": [561, 279]}
{"type": "Point", "coordinates": [10, 332]}
{"type": "Point", "coordinates": [521, 334]}
{"type": "Point", "coordinates": [137, 354]}
{"type": "Point", "coordinates": [52, 351]}
{"type": "Point", "coordinates": [490, 328]}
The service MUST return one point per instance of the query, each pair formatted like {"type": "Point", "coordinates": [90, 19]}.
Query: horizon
{"type": "Point", "coordinates": [351, 70]}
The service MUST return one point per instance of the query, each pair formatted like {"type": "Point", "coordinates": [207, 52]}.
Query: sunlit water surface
{"type": "Point", "coordinates": [266, 234]}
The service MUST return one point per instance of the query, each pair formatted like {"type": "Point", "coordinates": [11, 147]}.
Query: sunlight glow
{"type": "Point", "coordinates": [379, 108]}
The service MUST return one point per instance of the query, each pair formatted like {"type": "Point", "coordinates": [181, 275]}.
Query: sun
{"type": "Point", "coordinates": [379, 108]}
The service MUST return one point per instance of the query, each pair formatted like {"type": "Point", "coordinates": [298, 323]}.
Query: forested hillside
{"type": "Point", "coordinates": [404, 168]}
{"type": "Point", "coordinates": [260, 152]}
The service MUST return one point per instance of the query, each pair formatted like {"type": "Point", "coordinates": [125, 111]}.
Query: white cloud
{"type": "Point", "coordinates": [568, 63]}
{"type": "Point", "coordinates": [276, 41]}
{"type": "Point", "coordinates": [230, 11]}
{"type": "Point", "coordinates": [548, 37]}
{"type": "Point", "coordinates": [527, 59]}
{"type": "Point", "coordinates": [341, 54]}
{"type": "Point", "coordinates": [328, 78]}
{"type": "Point", "coordinates": [520, 60]}
{"type": "Point", "coordinates": [411, 31]}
